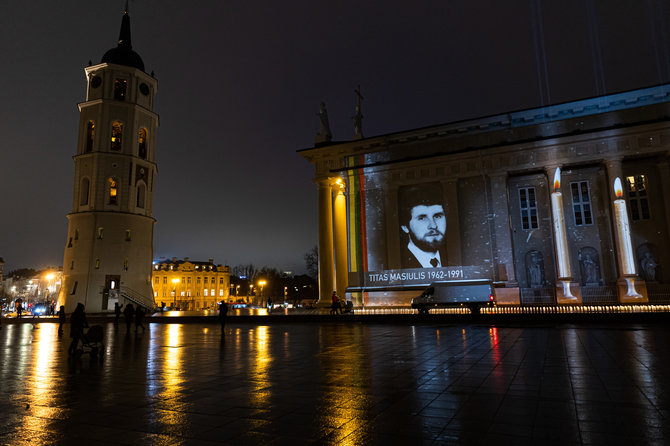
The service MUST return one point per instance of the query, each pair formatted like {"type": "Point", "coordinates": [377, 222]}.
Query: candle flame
{"type": "Point", "coordinates": [618, 190]}
{"type": "Point", "coordinates": [557, 178]}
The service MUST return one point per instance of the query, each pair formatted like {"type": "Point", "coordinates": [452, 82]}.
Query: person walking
{"type": "Point", "coordinates": [223, 312]}
{"type": "Point", "coordinates": [139, 318]}
{"type": "Point", "coordinates": [77, 324]}
{"type": "Point", "coordinates": [128, 314]}
{"type": "Point", "coordinates": [117, 313]}
{"type": "Point", "coordinates": [268, 304]}
{"type": "Point", "coordinates": [61, 319]}
{"type": "Point", "coordinates": [335, 307]}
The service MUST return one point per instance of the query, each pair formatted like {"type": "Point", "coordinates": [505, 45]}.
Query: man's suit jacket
{"type": "Point", "coordinates": [409, 261]}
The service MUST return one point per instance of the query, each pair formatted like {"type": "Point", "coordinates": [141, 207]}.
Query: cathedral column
{"type": "Point", "coordinates": [326, 264]}
{"type": "Point", "coordinates": [624, 283]}
{"type": "Point", "coordinates": [567, 291]}
{"type": "Point", "coordinates": [664, 171]}
{"type": "Point", "coordinates": [340, 239]}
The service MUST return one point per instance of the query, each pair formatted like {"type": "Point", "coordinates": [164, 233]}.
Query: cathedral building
{"type": "Point", "coordinates": [109, 245]}
{"type": "Point", "coordinates": [563, 204]}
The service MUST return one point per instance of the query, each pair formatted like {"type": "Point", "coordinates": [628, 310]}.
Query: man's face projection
{"type": "Point", "coordinates": [427, 226]}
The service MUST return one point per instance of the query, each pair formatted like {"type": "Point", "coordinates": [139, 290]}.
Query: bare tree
{"type": "Point", "coordinates": [312, 262]}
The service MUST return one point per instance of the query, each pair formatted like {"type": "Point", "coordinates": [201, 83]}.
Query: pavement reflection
{"type": "Point", "coordinates": [337, 383]}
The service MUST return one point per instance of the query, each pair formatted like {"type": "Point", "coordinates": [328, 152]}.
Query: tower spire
{"type": "Point", "coordinates": [124, 33]}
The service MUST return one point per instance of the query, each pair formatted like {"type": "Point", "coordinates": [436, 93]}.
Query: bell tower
{"type": "Point", "coordinates": [109, 247]}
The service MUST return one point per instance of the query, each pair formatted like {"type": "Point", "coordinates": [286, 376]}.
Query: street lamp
{"type": "Point", "coordinates": [175, 281]}
{"type": "Point", "coordinates": [261, 283]}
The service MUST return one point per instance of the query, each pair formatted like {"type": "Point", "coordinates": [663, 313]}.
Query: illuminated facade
{"type": "Point", "coordinates": [109, 247]}
{"type": "Point", "coordinates": [492, 183]}
{"type": "Point", "coordinates": [190, 285]}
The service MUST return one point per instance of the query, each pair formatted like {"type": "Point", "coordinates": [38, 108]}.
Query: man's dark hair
{"type": "Point", "coordinates": [426, 194]}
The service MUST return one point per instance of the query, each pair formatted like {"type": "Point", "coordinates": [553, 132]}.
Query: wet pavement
{"type": "Point", "coordinates": [339, 383]}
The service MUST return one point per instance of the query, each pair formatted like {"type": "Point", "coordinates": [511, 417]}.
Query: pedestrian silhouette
{"type": "Point", "coordinates": [77, 324]}
{"type": "Point", "coordinates": [128, 314]}
{"type": "Point", "coordinates": [117, 312]}
{"type": "Point", "coordinates": [61, 319]}
{"type": "Point", "coordinates": [139, 318]}
{"type": "Point", "coordinates": [335, 306]}
{"type": "Point", "coordinates": [223, 312]}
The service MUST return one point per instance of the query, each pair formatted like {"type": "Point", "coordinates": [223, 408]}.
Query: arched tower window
{"type": "Point", "coordinates": [113, 191]}
{"type": "Point", "coordinates": [142, 149]}
{"type": "Point", "coordinates": [83, 192]}
{"type": "Point", "coordinates": [141, 192]}
{"type": "Point", "coordinates": [117, 134]}
{"type": "Point", "coordinates": [120, 86]}
{"type": "Point", "coordinates": [90, 135]}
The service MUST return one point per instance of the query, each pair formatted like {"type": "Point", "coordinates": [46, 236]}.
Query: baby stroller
{"type": "Point", "coordinates": [91, 342]}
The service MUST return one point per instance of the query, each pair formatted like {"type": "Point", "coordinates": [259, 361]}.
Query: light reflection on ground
{"type": "Point", "coordinates": [333, 383]}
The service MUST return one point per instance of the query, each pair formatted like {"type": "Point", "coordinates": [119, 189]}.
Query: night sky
{"type": "Point", "coordinates": [239, 85]}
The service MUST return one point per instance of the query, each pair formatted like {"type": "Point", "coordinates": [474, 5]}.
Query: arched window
{"type": "Point", "coordinates": [83, 192]}
{"type": "Point", "coordinates": [117, 134]}
{"type": "Point", "coordinates": [142, 149]}
{"type": "Point", "coordinates": [141, 191]}
{"type": "Point", "coordinates": [120, 86]}
{"type": "Point", "coordinates": [113, 191]}
{"type": "Point", "coordinates": [90, 135]}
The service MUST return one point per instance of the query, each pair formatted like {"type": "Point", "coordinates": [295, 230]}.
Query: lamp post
{"type": "Point", "coordinates": [175, 281]}
{"type": "Point", "coordinates": [261, 283]}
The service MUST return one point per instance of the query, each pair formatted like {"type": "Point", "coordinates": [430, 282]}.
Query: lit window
{"type": "Point", "coordinates": [528, 208]}
{"type": "Point", "coordinates": [97, 263]}
{"type": "Point", "coordinates": [120, 86]}
{"type": "Point", "coordinates": [84, 191]}
{"type": "Point", "coordinates": [638, 201]}
{"type": "Point", "coordinates": [182, 294]}
{"type": "Point", "coordinates": [101, 230]}
{"type": "Point", "coordinates": [90, 135]}
{"type": "Point", "coordinates": [213, 293]}
{"type": "Point", "coordinates": [205, 293]}
{"type": "Point", "coordinates": [117, 135]}
{"type": "Point", "coordinates": [142, 148]}
{"type": "Point", "coordinates": [220, 292]}
{"type": "Point", "coordinates": [581, 203]}
{"type": "Point", "coordinates": [113, 191]}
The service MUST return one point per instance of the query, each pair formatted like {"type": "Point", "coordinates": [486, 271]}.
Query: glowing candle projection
{"type": "Point", "coordinates": [560, 237]}
{"type": "Point", "coordinates": [625, 244]}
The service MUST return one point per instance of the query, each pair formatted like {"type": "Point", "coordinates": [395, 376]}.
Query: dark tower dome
{"type": "Point", "coordinates": [123, 54]}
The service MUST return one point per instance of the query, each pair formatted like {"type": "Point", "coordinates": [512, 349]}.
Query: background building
{"type": "Point", "coordinates": [109, 245]}
{"type": "Point", "coordinates": [190, 285]}
{"type": "Point", "coordinates": [496, 177]}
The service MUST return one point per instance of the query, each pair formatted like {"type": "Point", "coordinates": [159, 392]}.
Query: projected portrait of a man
{"type": "Point", "coordinates": [423, 224]}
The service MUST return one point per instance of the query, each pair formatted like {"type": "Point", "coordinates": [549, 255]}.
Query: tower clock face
{"type": "Point", "coordinates": [144, 89]}
{"type": "Point", "coordinates": [96, 81]}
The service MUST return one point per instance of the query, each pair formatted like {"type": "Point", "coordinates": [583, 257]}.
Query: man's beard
{"type": "Point", "coordinates": [428, 246]}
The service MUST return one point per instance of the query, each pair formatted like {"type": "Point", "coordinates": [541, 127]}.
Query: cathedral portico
{"type": "Point", "coordinates": [507, 218]}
